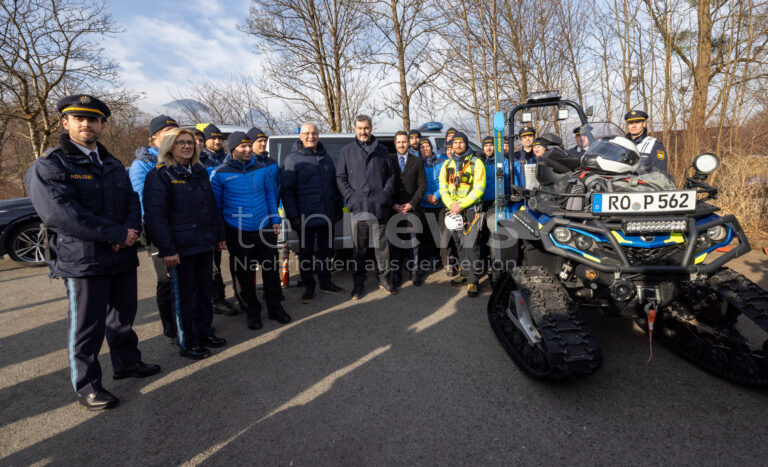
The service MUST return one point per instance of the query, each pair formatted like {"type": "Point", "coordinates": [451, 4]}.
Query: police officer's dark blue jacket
{"type": "Point", "coordinates": [87, 207]}
{"type": "Point", "coordinates": [211, 160]}
{"type": "Point", "coordinates": [246, 196]}
{"type": "Point", "coordinates": [308, 185]}
{"type": "Point", "coordinates": [367, 178]}
{"type": "Point", "coordinates": [271, 167]}
{"type": "Point", "coordinates": [180, 212]}
{"type": "Point", "coordinates": [522, 155]}
{"type": "Point", "coordinates": [146, 160]}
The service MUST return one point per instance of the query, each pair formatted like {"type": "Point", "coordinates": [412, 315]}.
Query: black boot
{"type": "Point", "coordinates": [254, 319]}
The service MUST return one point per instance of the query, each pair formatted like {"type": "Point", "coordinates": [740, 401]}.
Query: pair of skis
{"type": "Point", "coordinates": [499, 157]}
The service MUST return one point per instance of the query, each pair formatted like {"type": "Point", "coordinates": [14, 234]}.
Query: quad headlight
{"type": "Point", "coordinates": [562, 234]}
{"type": "Point", "coordinates": [583, 242]}
{"type": "Point", "coordinates": [717, 233]}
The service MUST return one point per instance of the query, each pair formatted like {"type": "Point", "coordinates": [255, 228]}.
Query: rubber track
{"type": "Point", "coordinates": [571, 349]}
{"type": "Point", "coordinates": [748, 297]}
{"type": "Point", "coordinates": [750, 300]}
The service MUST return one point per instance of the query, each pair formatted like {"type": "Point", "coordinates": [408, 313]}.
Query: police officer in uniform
{"type": "Point", "coordinates": [653, 156]}
{"type": "Point", "coordinates": [525, 153]}
{"type": "Point", "coordinates": [582, 143]}
{"type": "Point", "coordinates": [93, 218]}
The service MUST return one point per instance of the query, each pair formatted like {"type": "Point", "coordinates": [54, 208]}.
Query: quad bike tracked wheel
{"type": "Point", "coordinates": [538, 325]}
{"type": "Point", "coordinates": [718, 346]}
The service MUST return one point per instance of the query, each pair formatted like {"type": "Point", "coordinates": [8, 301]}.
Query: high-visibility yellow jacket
{"type": "Point", "coordinates": [463, 181]}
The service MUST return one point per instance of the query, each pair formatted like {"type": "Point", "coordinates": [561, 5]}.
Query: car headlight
{"type": "Point", "coordinates": [716, 233]}
{"type": "Point", "coordinates": [562, 234]}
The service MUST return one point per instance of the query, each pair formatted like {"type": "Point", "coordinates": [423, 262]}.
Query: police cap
{"type": "Point", "coordinates": [160, 122]}
{"type": "Point", "coordinates": [83, 105]}
{"type": "Point", "coordinates": [537, 142]}
{"type": "Point", "coordinates": [236, 139]}
{"type": "Point", "coordinates": [526, 131]}
{"type": "Point", "coordinates": [577, 131]}
{"type": "Point", "coordinates": [255, 133]}
{"type": "Point", "coordinates": [487, 140]}
{"type": "Point", "coordinates": [212, 131]}
{"type": "Point", "coordinates": [635, 116]}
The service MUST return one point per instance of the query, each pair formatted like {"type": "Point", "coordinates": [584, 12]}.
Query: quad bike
{"type": "Point", "coordinates": [597, 237]}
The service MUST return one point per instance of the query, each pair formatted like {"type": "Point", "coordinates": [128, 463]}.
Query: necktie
{"type": "Point", "coordinates": [402, 163]}
{"type": "Point", "coordinates": [95, 158]}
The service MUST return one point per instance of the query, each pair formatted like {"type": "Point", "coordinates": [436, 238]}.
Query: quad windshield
{"type": "Point", "coordinates": [596, 131]}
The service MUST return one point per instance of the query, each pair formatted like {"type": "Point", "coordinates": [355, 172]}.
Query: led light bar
{"type": "Point", "coordinates": [640, 226]}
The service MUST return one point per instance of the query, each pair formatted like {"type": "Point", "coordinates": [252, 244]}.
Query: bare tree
{"type": "Point", "coordinates": [405, 29]}
{"type": "Point", "coordinates": [315, 51]}
{"type": "Point", "coordinates": [236, 101]}
{"type": "Point", "coordinates": [44, 46]}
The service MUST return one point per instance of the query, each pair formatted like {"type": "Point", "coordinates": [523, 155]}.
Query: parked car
{"type": "Point", "coordinates": [21, 237]}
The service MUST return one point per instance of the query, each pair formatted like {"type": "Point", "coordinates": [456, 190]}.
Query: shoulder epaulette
{"type": "Point", "coordinates": [50, 151]}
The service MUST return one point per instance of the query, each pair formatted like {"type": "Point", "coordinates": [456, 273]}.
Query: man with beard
{"type": "Point", "coordinates": [84, 197]}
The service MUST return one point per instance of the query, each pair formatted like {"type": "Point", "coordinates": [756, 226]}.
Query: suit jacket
{"type": "Point", "coordinates": [413, 182]}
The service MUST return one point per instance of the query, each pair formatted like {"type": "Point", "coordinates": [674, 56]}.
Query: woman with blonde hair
{"type": "Point", "coordinates": [186, 226]}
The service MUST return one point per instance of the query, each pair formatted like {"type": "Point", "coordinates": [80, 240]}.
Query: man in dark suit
{"type": "Point", "coordinates": [368, 177]}
{"type": "Point", "coordinates": [413, 184]}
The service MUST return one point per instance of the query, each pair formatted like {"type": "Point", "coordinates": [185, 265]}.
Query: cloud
{"type": "Point", "coordinates": [161, 52]}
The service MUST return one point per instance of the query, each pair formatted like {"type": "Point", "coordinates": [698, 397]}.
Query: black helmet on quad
{"type": "Point", "coordinates": [616, 155]}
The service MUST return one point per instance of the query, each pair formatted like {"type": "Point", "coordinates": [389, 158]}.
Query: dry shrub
{"type": "Point", "coordinates": [743, 191]}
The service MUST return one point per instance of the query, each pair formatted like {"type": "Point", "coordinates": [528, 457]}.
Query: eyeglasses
{"type": "Point", "coordinates": [184, 143]}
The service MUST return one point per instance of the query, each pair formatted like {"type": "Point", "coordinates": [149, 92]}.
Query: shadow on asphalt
{"type": "Point", "coordinates": [398, 379]}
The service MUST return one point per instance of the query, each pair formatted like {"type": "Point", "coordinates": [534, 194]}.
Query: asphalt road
{"type": "Point", "coordinates": [412, 378]}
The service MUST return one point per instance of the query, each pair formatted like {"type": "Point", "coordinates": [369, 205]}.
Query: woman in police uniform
{"type": "Point", "coordinates": [186, 226]}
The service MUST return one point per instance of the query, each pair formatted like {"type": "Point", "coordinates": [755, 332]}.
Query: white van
{"type": "Point", "coordinates": [280, 145]}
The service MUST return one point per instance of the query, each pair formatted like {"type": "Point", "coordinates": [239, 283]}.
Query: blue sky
{"type": "Point", "coordinates": [167, 44]}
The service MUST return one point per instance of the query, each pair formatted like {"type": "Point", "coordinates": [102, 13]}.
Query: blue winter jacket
{"type": "Point", "coordinates": [272, 168]}
{"type": "Point", "coordinates": [490, 179]}
{"type": "Point", "coordinates": [211, 160]}
{"type": "Point", "coordinates": [432, 172]}
{"type": "Point", "coordinates": [245, 194]}
{"type": "Point", "coordinates": [146, 160]}
{"type": "Point", "coordinates": [87, 208]}
{"type": "Point", "coordinates": [181, 216]}
{"type": "Point", "coordinates": [308, 186]}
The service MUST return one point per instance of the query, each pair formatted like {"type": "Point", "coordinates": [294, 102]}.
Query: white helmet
{"type": "Point", "coordinates": [616, 155]}
{"type": "Point", "coordinates": [454, 222]}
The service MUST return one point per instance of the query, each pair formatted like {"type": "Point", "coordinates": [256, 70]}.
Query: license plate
{"type": "Point", "coordinates": [643, 203]}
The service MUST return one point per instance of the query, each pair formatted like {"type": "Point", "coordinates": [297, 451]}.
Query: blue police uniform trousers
{"type": "Point", "coordinates": [98, 306]}
{"type": "Point", "coordinates": [191, 289]}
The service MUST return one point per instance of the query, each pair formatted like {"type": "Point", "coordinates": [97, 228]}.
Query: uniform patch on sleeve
{"type": "Point", "coordinates": [660, 155]}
